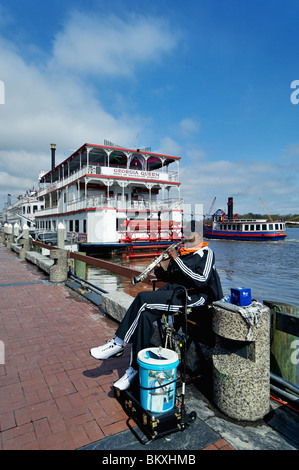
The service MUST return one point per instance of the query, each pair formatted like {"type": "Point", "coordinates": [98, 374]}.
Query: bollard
{"type": "Point", "coordinates": [25, 231]}
{"type": "Point", "coordinates": [16, 229]}
{"type": "Point", "coordinates": [24, 242]}
{"type": "Point", "coordinates": [241, 361]}
{"type": "Point", "coordinates": [9, 240]}
{"type": "Point", "coordinates": [60, 236]}
{"type": "Point", "coordinates": [7, 235]}
{"type": "Point", "coordinates": [59, 270]}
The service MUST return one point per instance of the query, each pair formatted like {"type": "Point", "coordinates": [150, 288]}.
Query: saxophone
{"type": "Point", "coordinates": [164, 255]}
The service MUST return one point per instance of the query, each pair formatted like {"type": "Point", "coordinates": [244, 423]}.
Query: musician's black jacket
{"type": "Point", "coordinates": [196, 271]}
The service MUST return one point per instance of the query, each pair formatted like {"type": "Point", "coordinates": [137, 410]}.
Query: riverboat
{"type": "Point", "coordinates": [229, 227]}
{"type": "Point", "coordinates": [109, 197]}
{"type": "Point", "coordinates": [23, 210]}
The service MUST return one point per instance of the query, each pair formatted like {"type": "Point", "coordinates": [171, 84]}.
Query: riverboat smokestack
{"type": "Point", "coordinates": [53, 149]}
{"type": "Point", "coordinates": [230, 208]}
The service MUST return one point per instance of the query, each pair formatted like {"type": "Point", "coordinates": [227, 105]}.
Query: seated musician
{"type": "Point", "coordinates": [192, 267]}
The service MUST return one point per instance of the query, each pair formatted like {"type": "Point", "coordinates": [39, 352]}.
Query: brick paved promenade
{"type": "Point", "coordinates": [53, 394]}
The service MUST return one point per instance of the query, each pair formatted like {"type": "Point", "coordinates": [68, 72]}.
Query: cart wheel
{"type": "Point", "coordinates": [191, 417]}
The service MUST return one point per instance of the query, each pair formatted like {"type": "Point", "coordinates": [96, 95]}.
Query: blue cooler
{"type": "Point", "coordinates": [157, 375]}
{"type": "Point", "coordinates": [241, 296]}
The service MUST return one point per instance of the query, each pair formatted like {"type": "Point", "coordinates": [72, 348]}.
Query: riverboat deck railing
{"type": "Point", "coordinates": [101, 201]}
{"type": "Point", "coordinates": [120, 203]}
{"type": "Point", "coordinates": [106, 172]}
{"type": "Point", "coordinates": [48, 211]}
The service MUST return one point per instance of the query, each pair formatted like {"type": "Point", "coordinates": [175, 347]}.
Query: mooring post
{"type": "Point", "coordinates": [24, 242]}
{"type": "Point", "coordinates": [241, 364]}
{"type": "Point", "coordinates": [59, 270]}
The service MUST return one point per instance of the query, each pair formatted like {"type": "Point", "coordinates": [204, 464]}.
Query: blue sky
{"type": "Point", "coordinates": [207, 80]}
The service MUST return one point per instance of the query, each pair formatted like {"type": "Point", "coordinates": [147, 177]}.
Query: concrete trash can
{"type": "Point", "coordinates": [241, 360]}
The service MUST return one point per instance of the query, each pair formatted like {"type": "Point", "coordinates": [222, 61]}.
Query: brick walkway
{"type": "Point", "coordinates": [53, 394]}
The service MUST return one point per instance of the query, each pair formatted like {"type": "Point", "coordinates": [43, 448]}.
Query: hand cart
{"type": "Point", "coordinates": [157, 425]}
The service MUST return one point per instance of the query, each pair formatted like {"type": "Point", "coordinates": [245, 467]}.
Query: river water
{"type": "Point", "coordinates": [269, 269]}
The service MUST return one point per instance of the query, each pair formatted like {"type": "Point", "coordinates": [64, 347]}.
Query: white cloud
{"type": "Point", "coordinates": [246, 181]}
{"type": "Point", "coordinates": [52, 103]}
{"type": "Point", "coordinates": [55, 101]}
{"type": "Point", "coordinates": [39, 107]}
{"type": "Point", "coordinates": [11, 184]}
{"type": "Point", "coordinates": [110, 45]}
{"type": "Point", "coordinates": [169, 146]}
{"type": "Point", "coordinates": [188, 126]}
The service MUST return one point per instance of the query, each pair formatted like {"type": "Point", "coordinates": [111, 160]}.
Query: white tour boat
{"type": "Point", "coordinates": [22, 211]}
{"type": "Point", "coordinates": [107, 196]}
{"type": "Point", "coordinates": [231, 228]}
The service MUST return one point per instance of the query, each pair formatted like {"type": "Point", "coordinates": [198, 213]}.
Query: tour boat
{"type": "Point", "coordinates": [108, 196]}
{"type": "Point", "coordinates": [23, 210]}
{"type": "Point", "coordinates": [229, 227]}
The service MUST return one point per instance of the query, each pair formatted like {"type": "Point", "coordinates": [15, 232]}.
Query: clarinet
{"type": "Point", "coordinates": [153, 264]}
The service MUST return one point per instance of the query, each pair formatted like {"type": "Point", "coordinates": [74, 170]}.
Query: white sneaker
{"type": "Point", "coordinates": [126, 380]}
{"type": "Point", "coordinates": [110, 349]}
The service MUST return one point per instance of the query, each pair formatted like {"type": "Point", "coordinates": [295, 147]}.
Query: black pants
{"type": "Point", "coordinates": [137, 324]}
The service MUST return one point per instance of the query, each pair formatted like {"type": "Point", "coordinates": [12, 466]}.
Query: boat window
{"type": "Point", "coordinates": [234, 227]}
{"type": "Point", "coordinates": [76, 225]}
{"type": "Point", "coordinates": [264, 227]}
{"type": "Point", "coordinates": [118, 159]}
{"type": "Point", "coordinates": [246, 227]}
{"type": "Point", "coordinates": [281, 226]}
{"type": "Point", "coordinates": [251, 227]}
{"type": "Point", "coordinates": [84, 225]}
{"type": "Point", "coordinates": [276, 226]}
{"type": "Point", "coordinates": [71, 226]}
{"type": "Point", "coordinates": [258, 227]}
{"type": "Point", "coordinates": [137, 162]}
{"type": "Point", "coordinates": [270, 226]}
